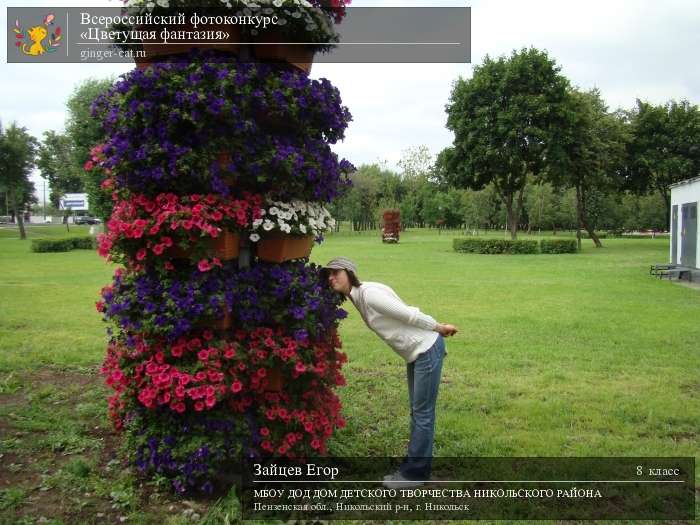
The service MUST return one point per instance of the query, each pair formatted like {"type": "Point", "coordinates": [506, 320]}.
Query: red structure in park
{"type": "Point", "coordinates": [392, 226]}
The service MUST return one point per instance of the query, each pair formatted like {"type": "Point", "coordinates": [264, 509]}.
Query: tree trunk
{"type": "Point", "coordinates": [19, 216]}
{"type": "Point", "coordinates": [578, 236]}
{"type": "Point", "coordinates": [509, 218]}
{"type": "Point", "coordinates": [583, 219]}
{"type": "Point", "coordinates": [514, 212]}
{"type": "Point", "coordinates": [666, 196]}
{"type": "Point", "coordinates": [20, 223]}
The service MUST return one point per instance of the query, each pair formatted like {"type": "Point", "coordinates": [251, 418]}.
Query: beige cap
{"type": "Point", "coordinates": [341, 263]}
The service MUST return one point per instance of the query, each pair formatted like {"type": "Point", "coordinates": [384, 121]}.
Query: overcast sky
{"type": "Point", "coordinates": [628, 49]}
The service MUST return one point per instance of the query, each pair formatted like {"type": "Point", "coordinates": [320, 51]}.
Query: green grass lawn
{"type": "Point", "coordinates": [557, 355]}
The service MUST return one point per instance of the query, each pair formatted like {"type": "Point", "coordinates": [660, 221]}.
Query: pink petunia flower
{"type": "Point", "coordinates": [204, 265]}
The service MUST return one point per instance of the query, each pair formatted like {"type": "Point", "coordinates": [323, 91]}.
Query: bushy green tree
{"type": "Point", "coordinates": [506, 120]}
{"type": "Point", "coordinates": [541, 206]}
{"type": "Point", "coordinates": [444, 209]}
{"type": "Point", "coordinates": [17, 159]}
{"type": "Point", "coordinates": [84, 132]}
{"type": "Point", "coordinates": [56, 161]}
{"type": "Point", "coordinates": [665, 147]}
{"type": "Point", "coordinates": [593, 158]}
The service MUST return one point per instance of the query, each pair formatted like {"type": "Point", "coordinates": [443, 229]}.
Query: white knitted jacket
{"type": "Point", "coordinates": [404, 328]}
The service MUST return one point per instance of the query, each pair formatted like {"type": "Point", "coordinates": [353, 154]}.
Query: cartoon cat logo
{"type": "Point", "coordinates": [36, 36]}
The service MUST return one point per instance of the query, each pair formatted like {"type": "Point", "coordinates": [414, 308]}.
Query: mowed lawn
{"type": "Point", "coordinates": [557, 355]}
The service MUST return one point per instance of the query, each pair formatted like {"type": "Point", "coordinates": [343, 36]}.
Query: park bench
{"type": "Point", "coordinates": [669, 271]}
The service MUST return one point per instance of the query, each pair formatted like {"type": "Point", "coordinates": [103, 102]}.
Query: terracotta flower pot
{"type": "Point", "coordinates": [224, 159]}
{"type": "Point", "coordinates": [276, 124]}
{"type": "Point", "coordinates": [271, 46]}
{"type": "Point", "coordinates": [156, 51]}
{"type": "Point", "coordinates": [275, 380]}
{"type": "Point", "coordinates": [223, 323]}
{"type": "Point", "coordinates": [225, 246]}
{"type": "Point", "coordinates": [175, 252]}
{"type": "Point", "coordinates": [280, 247]}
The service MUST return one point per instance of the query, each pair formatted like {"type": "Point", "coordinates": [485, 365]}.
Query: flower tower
{"type": "Point", "coordinates": [222, 338]}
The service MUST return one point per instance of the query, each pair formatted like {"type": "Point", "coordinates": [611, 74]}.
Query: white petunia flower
{"type": "Point", "coordinates": [286, 228]}
{"type": "Point", "coordinates": [268, 225]}
{"type": "Point", "coordinates": [302, 228]}
{"type": "Point", "coordinates": [254, 237]}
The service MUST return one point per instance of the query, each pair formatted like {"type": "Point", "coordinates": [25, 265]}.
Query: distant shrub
{"type": "Point", "coordinates": [63, 244]}
{"type": "Point", "coordinates": [558, 246]}
{"type": "Point", "coordinates": [51, 245]}
{"type": "Point", "coordinates": [494, 246]}
{"type": "Point", "coordinates": [645, 236]}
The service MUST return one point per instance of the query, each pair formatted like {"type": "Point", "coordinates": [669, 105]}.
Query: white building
{"type": "Point", "coordinates": [685, 237]}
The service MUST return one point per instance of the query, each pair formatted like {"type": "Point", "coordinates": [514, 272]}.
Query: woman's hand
{"type": "Point", "coordinates": [446, 330]}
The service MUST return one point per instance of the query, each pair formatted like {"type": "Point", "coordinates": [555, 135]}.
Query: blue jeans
{"type": "Point", "coordinates": [423, 381]}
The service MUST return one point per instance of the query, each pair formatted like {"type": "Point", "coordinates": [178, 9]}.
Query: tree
{"type": "Point", "coordinates": [444, 209]}
{"type": "Point", "coordinates": [541, 206]}
{"type": "Point", "coordinates": [85, 132]}
{"type": "Point", "coordinates": [482, 209]}
{"type": "Point", "coordinates": [410, 208]}
{"type": "Point", "coordinates": [416, 163]}
{"type": "Point", "coordinates": [641, 212]}
{"type": "Point", "coordinates": [566, 215]}
{"type": "Point", "coordinates": [17, 156]}
{"type": "Point", "coordinates": [665, 147]}
{"type": "Point", "coordinates": [360, 203]}
{"type": "Point", "coordinates": [593, 157]}
{"type": "Point", "coordinates": [506, 120]}
{"type": "Point", "coordinates": [57, 163]}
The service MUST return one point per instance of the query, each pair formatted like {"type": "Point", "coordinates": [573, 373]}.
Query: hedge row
{"type": "Point", "coordinates": [493, 246]}
{"type": "Point", "coordinates": [64, 244]}
{"type": "Point", "coordinates": [558, 246]}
